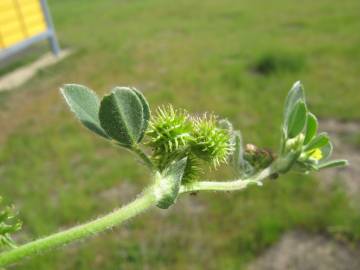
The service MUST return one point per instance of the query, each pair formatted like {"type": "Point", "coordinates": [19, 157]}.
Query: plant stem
{"type": "Point", "coordinates": [228, 185]}
{"type": "Point", "coordinates": [145, 201]}
{"type": "Point", "coordinates": [144, 157]}
{"type": "Point", "coordinates": [280, 165]}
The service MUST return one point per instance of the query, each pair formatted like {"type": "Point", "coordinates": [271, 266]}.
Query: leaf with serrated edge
{"type": "Point", "coordinates": [85, 104]}
{"type": "Point", "coordinates": [121, 116]}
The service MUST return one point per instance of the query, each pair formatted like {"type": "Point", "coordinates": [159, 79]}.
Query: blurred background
{"type": "Point", "coordinates": [237, 58]}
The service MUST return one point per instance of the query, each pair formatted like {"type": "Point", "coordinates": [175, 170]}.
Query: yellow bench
{"type": "Point", "coordinates": [23, 22]}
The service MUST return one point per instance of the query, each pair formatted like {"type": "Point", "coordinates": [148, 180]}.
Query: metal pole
{"type": "Point", "coordinates": [51, 30]}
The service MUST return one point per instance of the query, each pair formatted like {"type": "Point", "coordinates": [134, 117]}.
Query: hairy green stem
{"type": "Point", "coordinates": [145, 201]}
{"type": "Point", "coordinates": [218, 186]}
{"type": "Point", "coordinates": [227, 185]}
{"type": "Point", "coordinates": [148, 199]}
{"type": "Point", "coordinates": [144, 157]}
{"type": "Point", "coordinates": [280, 165]}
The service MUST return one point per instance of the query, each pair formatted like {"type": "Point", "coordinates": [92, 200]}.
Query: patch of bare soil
{"type": "Point", "coordinates": [341, 134]}
{"type": "Point", "coordinates": [303, 251]}
{"type": "Point", "coordinates": [23, 74]}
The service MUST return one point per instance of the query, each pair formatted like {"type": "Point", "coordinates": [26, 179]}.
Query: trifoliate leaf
{"type": "Point", "coordinates": [85, 104]}
{"type": "Point", "coordinates": [297, 119]}
{"type": "Point", "coordinates": [121, 116]}
{"type": "Point", "coordinates": [311, 128]}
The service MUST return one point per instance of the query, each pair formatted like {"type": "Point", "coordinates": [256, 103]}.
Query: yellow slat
{"type": "Point", "coordinates": [12, 39]}
{"type": "Point", "coordinates": [35, 25]}
{"type": "Point", "coordinates": [8, 15]}
{"type": "Point", "coordinates": [2, 45]}
{"type": "Point", "coordinates": [20, 20]}
{"type": "Point", "coordinates": [6, 3]}
{"type": "Point", "coordinates": [34, 17]}
{"type": "Point", "coordinates": [27, 2]}
{"type": "Point", "coordinates": [29, 9]}
{"type": "Point", "coordinates": [36, 29]}
{"type": "Point", "coordinates": [11, 27]}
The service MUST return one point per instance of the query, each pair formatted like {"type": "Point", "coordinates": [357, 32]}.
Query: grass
{"type": "Point", "coordinates": [25, 57]}
{"type": "Point", "coordinates": [199, 56]}
{"type": "Point", "coordinates": [353, 139]}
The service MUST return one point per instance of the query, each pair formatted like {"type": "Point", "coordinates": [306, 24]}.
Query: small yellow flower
{"type": "Point", "coordinates": [316, 154]}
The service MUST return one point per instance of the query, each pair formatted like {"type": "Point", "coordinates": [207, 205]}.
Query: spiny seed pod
{"type": "Point", "coordinates": [193, 165]}
{"type": "Point", "coordinates": [169, 130]}
{"type": "Point", "coordinates": [210, 142]}
{"type": "Point", "coordinates": [192, 170]}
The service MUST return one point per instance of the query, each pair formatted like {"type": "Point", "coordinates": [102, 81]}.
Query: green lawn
{"type": "Point", "coordinates": [238, 58]}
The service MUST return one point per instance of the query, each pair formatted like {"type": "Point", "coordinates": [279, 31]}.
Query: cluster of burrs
{"type": "Point", "coordinates": [175, 134]}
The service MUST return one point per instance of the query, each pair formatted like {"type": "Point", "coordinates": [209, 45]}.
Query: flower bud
{"type": "Point", "coordinates": [295, 144]}
{"type": "Point", "coordinates": [258, 158]}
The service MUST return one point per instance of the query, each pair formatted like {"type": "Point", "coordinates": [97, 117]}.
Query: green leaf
{"type": "Point", "coordinates": [170, 182]}
{"type": "Point", "coordinates": [311, 128]}
{"type": "Point", "coordinates": [85, 104]}
{"type": "Point", "coordinates": [326, 151]}
{"type": "Point", "coordinates": [285, 163]}
{"type": "Point", "coordinates": [319, 141]}
{"type": "Point", "coordinates": [333, 164]}
{"type": "Point", "coordinates": [146, 112]}
{"type": "Point", "coordinates": [295, 94]}
{"type": "Point", "coordinates": [297, 119]}
{"type": "Point", "coordinates": [225, 124]}
{"type": "Point", "coordinates": [238, 155]}
{"type": "Point", "coordinates": [121, 116]}
{"type": "Point", "coordinates": [242, 167]}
